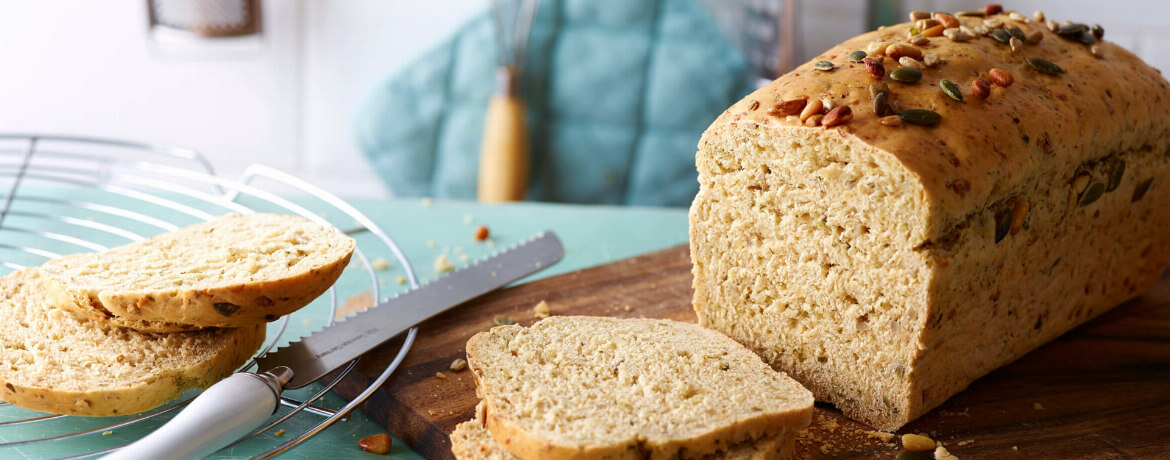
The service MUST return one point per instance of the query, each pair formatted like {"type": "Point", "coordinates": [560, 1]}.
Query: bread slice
{"type": "Point", "coordinates": [54, 362]}
{"type": "Point", "coordinates": [233, 271]}
{"type": "Point", "coordinates": [471, 440]}
{"type": "Point", "coordinates": [586, 387]}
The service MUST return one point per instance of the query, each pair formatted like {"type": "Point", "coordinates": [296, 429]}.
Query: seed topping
{"type": "Point", "coordinates": [838, 116]}
{"type": "Point", "coordinates": [908, 61]}
{"type": "Point", "coordinates": [931, 60]}
{"type": "Point", "coordinates": [892, 120]}
{"type": "Point", "coordinates": [857, 56]}
{"type": "Point", "coordinates": [1001, 77]}
{"type": "Point", "coordinates": [919, 14]}
{"type": "Point", "coordinates": [947, 20]}
{"type": "Point", "coordinates": [1044, 66]}
{"type": "Point", "coordinates": [921, 117]}
{"type": "Point", "coordinates": [874, 68]}
{"type": "Point", "coordinates": [898, 50]}
{"type": "Point", "coordinates": [906, 75]}
{"type": "Point", "coordinates": [1001, 35]}
{"type": "Point", "coordinates": [951, 89]}
{"type": "Point", "coordinates": [823, 65]}
{"type": "Point", "coordinates": [881, 104]}
{"type": "Point", "coordinates": [878, 87]}
{"type": "Point", "coordinates": [992, 8]}
{"type": "Point", "coordinates": [981, 88]}
{"type": "Point", "coordinates": [786, 108]}
{"type": "Point", "coordinates": [813, 108]}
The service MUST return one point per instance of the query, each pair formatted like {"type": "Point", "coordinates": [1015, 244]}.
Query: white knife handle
{"type": "Point", "coordinates": [227, 411]}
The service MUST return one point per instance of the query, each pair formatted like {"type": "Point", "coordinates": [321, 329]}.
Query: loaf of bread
{"type": "Point", "coordinates": [472, 441]}
{"type": "Point", "coordinates": [234, 271]}
{"type": "Point", "coordinates": [887, 234]}
{"type": "Point", "coordinates": [605, 388]}
{"type": "Point", "coordinates": [52, 361]}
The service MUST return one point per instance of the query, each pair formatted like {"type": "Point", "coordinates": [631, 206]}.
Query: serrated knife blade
{"type": "Point", "coordinates": [321, 352]}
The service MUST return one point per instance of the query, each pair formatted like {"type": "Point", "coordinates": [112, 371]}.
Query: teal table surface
{"type": "Point", "coordinates": [425, 230]}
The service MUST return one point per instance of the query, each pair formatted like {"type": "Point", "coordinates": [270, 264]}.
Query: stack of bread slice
{"type": "Point", "coordinates": [125, 330]}
{"type": "Point", "coordinates": [578, 387]}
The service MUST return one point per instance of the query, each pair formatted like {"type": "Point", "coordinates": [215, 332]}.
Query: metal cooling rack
{"type": "Point", "coordinates": [67, 194]}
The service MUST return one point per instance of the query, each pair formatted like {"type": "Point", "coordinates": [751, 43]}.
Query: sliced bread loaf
{"type": "Point", "coordinates": [233, 271]}
{"type": "Point", "coordinates": [471, 440]}
{"type": "Point", "coordinates": [587, 387]}
{"type": "Point", "coordinates": [55, 362]}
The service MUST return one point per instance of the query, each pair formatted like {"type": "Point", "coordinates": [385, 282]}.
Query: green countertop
{"type": "Point", "coordinates": [424, 229]}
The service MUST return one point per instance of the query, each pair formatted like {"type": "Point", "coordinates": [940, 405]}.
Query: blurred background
{"type": "Point", "coordinates": [384, 98]}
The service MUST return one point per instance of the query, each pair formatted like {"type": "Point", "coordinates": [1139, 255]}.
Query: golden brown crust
{"type": "Point", "coordinates": [982, 149]}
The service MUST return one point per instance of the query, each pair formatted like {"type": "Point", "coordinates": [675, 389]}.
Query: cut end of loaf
{"type": "Point", "coordinates": [805, 248]}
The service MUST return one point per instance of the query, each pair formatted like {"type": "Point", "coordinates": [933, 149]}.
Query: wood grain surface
{"type": "Point", "coordinates": [1101, 391]}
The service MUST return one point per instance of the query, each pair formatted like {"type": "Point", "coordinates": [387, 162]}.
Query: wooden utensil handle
{"type": "Point", "coordinates": [503, 159]}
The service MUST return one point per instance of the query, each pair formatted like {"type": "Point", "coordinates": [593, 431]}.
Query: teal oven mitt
{"type": "Point", "coordinates": [618, 93]}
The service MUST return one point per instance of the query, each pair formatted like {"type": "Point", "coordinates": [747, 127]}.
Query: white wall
{"type": "Point", "coordinates": [86, 67]}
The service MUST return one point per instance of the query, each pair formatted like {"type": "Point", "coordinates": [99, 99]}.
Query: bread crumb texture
{"type": "Point", "coordinates": [233, 271]}
{"type": "Point", "coordinates": [55, 362]}
{"type": "Point", "coordinates": [587, 387]}
{"type": "Point", "coordinates": [886, 268]}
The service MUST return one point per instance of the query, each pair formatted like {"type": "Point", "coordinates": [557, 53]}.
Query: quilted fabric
{"type": "Point", "coordinates": [618, 92]}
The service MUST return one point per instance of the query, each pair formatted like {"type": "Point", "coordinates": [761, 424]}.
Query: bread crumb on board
{"type": "Point", "coordinates": [380, 264]}
{"type": "Point", "coordinates": [427, 202]}
{"type": "Point", "coordinates": [941, 453]}
{"type": "Point", "coordinates": [503, 320]}
{"type": "Point", "coordinates": [467, 219]}
{"type": "Point", "coordinates": [541, 310]}
{"type": "Point", "coordinates": [458, 364]}
{"type": "Point", "coordinates": [1037, 406]}
{"type": "Point", "coordinates": [431, 244]}
{"type": "Point", "coordinates": [440, 375]}
{"type": "Point", "coordinates": [279, 433]}
{"type": "Point", "coordinates": [880, 435]}
{"type": "Point", "coordinates": [917, 442]}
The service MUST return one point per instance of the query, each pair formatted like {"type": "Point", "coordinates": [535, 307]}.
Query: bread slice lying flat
{"type": "Point", "coordinates": [472, 441]}
{"type": "Point", "coordinates": [52, 361]}
{"type": "Point", "coordinates": [586, 387]}
{"type": "Point", "coordinates": [233, 271]}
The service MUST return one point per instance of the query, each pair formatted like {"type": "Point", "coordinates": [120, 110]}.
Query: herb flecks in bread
{"type": "Point", "coordinates": [55, 362]}
{"type": "Point", "coordinates": [886, 265]}
{"type": "Point", "coordinates": [585, 387]}
{"type": "Point", "coordinates": [236, 270]}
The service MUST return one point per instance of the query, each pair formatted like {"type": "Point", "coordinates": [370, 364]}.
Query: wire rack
{"type": "Point", "coordinates": [65, 194]}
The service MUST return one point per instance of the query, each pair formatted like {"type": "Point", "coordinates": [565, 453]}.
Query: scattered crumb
{"type": "Point", "coordinates": [541, 310]}
{"type": "Point", "coordinates": [490, 243]}
{"type": "Point", "coordinates": [440, 375]}
{"type": "Point", "coordinates": [458, 249]}
{"type": "Point", "coordinates": [380, 264]}
{"type": "Point", "coordinates": [376, 443]}
{"type": "Point", "coordinates": [880, 435]}
{"type": "Point", "coordinates": [503, 320]}
{"type": "Point", "coordinates": [400, 279]}
{"type": "Point", "coordinates": [279, 432]}
{"type": "Point", "coordinates": [305, 322]}
{"type": "Point", "coordinates": [107, 433]}
{"type": "Point", "coordinates": [627, 307]}
{"type": "Point", "coordinates": [458, 365]}
{"type": "Point", "coordinates": [464, 258]}
{"type": "Point", "coordinates": [964, 443]}
{"type": "Point", "coordinates": [1015, 448]}
{"type": "Point", "coordinates": [355, 304]}
{"type": "Point", "coordinates": [917, 443]}
{"type": "Point", "coordinates": [442, 265]}
{"type": "Point", "coordinates": [467, 219]}
{"type": "Point", "coordinates": [427, 201]}
{"type": "Point", "coordinates": [431, 244]}
{"type": "Point", "coordinates": [941, 453]}
{"type": "Point", "coordinates": [482, 233]}
{"type": "Point", "coordinates": [431, 411]}
{"type": "Point", "coordinates": [1037, 406]}
{"type": "Point", "coordinates": [830, 424]}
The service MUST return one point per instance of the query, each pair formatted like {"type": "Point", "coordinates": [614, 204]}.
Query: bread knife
{"type": "Point", "coordinates": [237, 405]}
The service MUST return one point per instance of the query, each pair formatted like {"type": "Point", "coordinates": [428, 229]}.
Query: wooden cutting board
{"type": "Point", "coordinates": [1100, 391]}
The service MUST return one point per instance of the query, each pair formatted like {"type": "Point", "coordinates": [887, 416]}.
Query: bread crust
{"type": "Point", "coordinates": [223, 304]}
